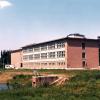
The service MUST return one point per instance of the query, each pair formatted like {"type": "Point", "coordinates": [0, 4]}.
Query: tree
{"type": "Point", "coordinates": [5, 58]}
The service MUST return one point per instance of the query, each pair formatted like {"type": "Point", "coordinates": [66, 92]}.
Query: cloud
{"type": "Point", "coordinates": [4, 4]}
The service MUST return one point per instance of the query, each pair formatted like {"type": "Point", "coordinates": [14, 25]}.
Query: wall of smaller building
{"type": "Point", "coordinates": [16, 60]}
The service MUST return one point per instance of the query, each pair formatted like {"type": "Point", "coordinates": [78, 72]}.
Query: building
{"type": "Point", "coordinates": [72, 52]}
{"type": "Point", "coordinates": [16, 58]}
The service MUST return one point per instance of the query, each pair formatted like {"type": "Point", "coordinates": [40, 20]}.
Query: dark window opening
{"type": "Point", "coordinates": [21, 65]}
{"type": "Point", "coordinates": [83, 55]}
{"type": "Point", "coordinates": [83, 46]}
{"type": "Point", "coordinates": [83, 63]}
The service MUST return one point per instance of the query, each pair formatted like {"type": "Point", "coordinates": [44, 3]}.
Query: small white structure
{"type": "Point", "coordinates": [9, 67]}
{"type": "Point", "coordinates": [76, 35]}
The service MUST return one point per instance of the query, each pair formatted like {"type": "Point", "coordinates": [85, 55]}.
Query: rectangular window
{"type": "Point", "coordinates": [83, 55]}
{"type": "Point", "coordinates": [43, 64]}
{"type": "Point", "coordinates": [36, 49]}
{"type": "Point", "coordinates": [25, 57]}
{"type": "Point", "coordinates": [43, 55]}
{"type": "Point", "coordinates": [51, 46]}
{"type": "Point", "coordinates": [51, 54]}
{"type": "Point", "coordinates": [83, 46]}
{"type": "Point", "coordinates": [36, 56]}
{"type": "Point", "coordinates": [25, 51]}
{"type": "Point", "coordinates": [60, 63]}
{"type": "Point", "coordinates": [60, 45]}
{"type": "Point", "coordinates": [30, 57]}
{"type": "Point", "coordinates": [51, 63]}
{"type": "Point", "coordinates": [60, 54]}
{"type": "Point", "coordinates": [43, 48]}
{"type": "Point", "coordinates": [30, 50]}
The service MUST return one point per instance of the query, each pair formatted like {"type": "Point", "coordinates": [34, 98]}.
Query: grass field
{"type": "Point", "coordinates": [84, 85]}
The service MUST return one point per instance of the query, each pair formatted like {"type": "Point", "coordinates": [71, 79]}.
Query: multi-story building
{"type": "Point", "coordinates": [71, 52]}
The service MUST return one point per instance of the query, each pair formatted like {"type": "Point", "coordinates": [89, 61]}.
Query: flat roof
{"type": "Point", "coordinates": [64, 38]}
{"type": "Point", "coordinates": [17, 50]}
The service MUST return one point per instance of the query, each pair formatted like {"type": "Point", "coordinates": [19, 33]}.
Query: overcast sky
{"type": "Point", "coordinates": [28, 21]}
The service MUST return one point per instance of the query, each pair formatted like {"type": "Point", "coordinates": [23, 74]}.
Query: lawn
{"type": "Point", "coordinates": [84, 85]}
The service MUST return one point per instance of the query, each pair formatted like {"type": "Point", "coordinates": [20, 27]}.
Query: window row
{"type": "Point", "coordinates": [45, 47]}
{"type": "Point", "coordinates": [58, 54]}
{"type": "Point", "coordinates": [61, 63]}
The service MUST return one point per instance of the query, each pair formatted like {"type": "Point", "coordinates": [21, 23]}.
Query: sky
{"type": "Point", "coordinates": [25, 22]}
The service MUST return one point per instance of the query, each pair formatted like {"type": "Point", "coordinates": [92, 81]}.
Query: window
{"type": "Point", "coordinates": [60, 45]}
{"type": "Point", "coordinates": [43, 64]}
{"type": "Point", "coordinates": [30, 57]}
{"type": "Point", "coordinates": [60, 63]}
{"type": "Point", "coordinates": [36, 49]}
{"type": "Point", "coordinates": [83, 55]}
{"type": "Point", "coordinates": [36, 56]}
{"type": "Point", "coordinates": [25, 51]}
{"type": "Point", "coordinates": [21, 64]}
{"type": "Point", "coordinates": [60, 54]}
{"type": "Point", "coordinates": [51, 54]}
{"type": "Point", "coordinates": [30, 50]}
{"type": "Point", "coordinates": [83, 46]}
{"type": "Point", "coordinates": [51, 63]}
{"type": "Point", "coordinates": [51, 46]}
{"type": "Point", "coordinates": [43, 55]}
{"type": "Point", "coordinates": [25, 57]}
{"type": "Point", "coordinates": [43, 48]}
{"type": "Point", "coordinates": [83, 63]}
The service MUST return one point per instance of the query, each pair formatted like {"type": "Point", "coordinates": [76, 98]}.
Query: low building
{"type": "Point", "coordinates": [72, 52]}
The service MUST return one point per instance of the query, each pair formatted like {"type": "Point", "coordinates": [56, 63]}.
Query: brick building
{"type": "Point", "coordinates": [71, 52]}
{"type": "Point", "coordinates": [16, 58]}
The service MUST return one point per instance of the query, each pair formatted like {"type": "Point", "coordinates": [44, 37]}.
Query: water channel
{"type": "Point", "coordinates": [3, 86]}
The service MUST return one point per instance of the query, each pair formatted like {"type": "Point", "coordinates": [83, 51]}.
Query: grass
{"type": "Point", "coordinates": [84, 85]}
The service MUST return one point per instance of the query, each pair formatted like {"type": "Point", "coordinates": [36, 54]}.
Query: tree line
{"type": "Point", "coordinates": [5, 58]}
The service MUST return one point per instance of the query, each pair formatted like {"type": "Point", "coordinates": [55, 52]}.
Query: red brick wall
{"type": "Point", "coordinates": [92, 54]}
{"type": "Point", "coordinates": [74, 53]}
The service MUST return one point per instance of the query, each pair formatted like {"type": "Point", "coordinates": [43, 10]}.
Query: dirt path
{"type": "Point", "coordinates": [5, 76]}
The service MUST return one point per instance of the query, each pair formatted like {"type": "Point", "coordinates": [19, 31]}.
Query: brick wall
{"type": "Point", "coordinates": [92, 54]}
{"type": "Point", "coordinates": [16, 59]}
{"type": "Point", "coordinates": [74, 53]}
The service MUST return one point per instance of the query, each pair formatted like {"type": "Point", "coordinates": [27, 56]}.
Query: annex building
{"type": "Point", "coordinates": [72, 52]}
